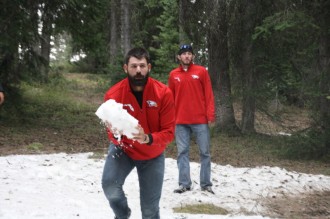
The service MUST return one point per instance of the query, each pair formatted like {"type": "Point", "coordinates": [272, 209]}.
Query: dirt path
{"type": "Point", "coordinates": [316, 206]}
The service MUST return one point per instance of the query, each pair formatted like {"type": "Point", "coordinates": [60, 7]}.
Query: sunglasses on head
{"type": "Point", "coordinates": [186, 47]}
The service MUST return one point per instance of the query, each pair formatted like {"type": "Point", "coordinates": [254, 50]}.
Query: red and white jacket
{"type": "Point", "coordinates": [193, 95]}
{"type": "Point", "coordinates": [156, 117]}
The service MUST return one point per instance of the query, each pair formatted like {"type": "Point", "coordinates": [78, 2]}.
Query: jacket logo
{"type": "Point", "coordinates": [151, 103]}
{"type": "Point", "coordinates": [195, 76]}
{"type": "Point", "coordinates": [177, 78]}
{"type": "Point", "coordinates": [129, 106]}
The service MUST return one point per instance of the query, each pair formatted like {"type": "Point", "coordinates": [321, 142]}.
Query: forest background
{"type": "Point", "coordinates": [263, 56]}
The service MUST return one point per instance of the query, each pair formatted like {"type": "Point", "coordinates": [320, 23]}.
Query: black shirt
{"type": "Point", "coordinates": [139, 97]}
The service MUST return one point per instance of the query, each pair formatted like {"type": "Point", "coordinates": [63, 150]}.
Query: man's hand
{"type": "Point", "coordinates": [117, 134]}
{"type": "Point", "coordinates": [211, 124]}
{"type": "Point", "coordinates": [141, 137]}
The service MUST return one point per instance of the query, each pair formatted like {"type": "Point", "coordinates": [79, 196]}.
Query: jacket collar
{"type": "Point", "coordinates": [189, 66]}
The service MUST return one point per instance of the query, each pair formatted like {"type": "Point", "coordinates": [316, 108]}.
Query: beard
{"type": "Point", "coordinates": [186, 62]}
{"type": "Point", "coordinates": [138, 80]}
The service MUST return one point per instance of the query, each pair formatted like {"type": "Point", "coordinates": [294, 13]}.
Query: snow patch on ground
{"type": "Point", "coordinates": [63, 186]}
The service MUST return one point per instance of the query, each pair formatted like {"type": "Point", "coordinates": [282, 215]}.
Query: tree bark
{"type": "Point", "coordinates": [47, 29]}
{"type": "Point", "coordinates": [324, 70]}
{"type": "Point", "coordinates": [247, 70]}
{"type": "Point", "coordinates": [114, 27]}
{"type": "Point", "coordinates": [35, 24]}
{"type": "Point", "coordinates": [219, 66]}
{"type": "Point", "coordinates": [183, 7]}
{"type": "Point", "coordinates": [126, 25]}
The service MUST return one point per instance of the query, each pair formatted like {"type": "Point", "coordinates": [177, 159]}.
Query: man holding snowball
{"type": "Point", "coordinates": [151, 103]}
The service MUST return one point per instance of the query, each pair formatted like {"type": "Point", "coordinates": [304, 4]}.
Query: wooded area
{"type": "Point", "coordinates": [259, 53]}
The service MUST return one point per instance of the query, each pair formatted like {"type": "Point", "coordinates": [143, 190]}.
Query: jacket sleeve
{"type": "Point", "coordinates": [171, 84]}
{"type": "Point", "coordinates": [209, 97]}
{"type": "Point", "coordinates": [166, 121]}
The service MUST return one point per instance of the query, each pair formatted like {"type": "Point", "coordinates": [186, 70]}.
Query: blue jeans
{"type": "Point", "coordinates": [182, 138]}
{"type": "Point", "coordinates": [150, 173]}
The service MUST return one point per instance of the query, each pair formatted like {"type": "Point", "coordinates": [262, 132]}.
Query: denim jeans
{"type": "Point", "coordinates": [150, 173]}
{"type": "Point", "coordinates": [182, 138]}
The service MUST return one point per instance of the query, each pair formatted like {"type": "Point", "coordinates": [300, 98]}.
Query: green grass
{"type": "Point", "coordinates": [201, 209]}
{"type": "Point", "coordinates": [64, 109]}
{"type": "Point", "coordinates": [59, 115]}
{"type": "Point", "coordinates": [35, 146]}
{"type": "Point", "coordinates": [55, 104]}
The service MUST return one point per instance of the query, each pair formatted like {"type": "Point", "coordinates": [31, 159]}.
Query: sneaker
{"type": "Point", "coordinates": [181, 189]}
{"type": "Point", "coordinates": [208, 189]}
{"type": "Point", "coordinates": [128, 214]}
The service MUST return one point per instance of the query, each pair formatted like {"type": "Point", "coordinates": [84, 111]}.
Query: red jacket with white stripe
{"type": "Point", "coordinates": [156, 117]}
{"type": "Point", "coordinates": [193, 95]}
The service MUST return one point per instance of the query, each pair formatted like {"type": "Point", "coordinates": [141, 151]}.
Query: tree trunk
{"type": "Point", "coordinates": [324, 72]}
{"type": "Point", "coordinates": [249, 101]}
{"type": "Point", "coordinates": [114, 27]}
{"type": "Point", "coordinates": [219, 66]}
{"type": "Point", "coordinates": [35, 24]}
{"type": "Point", "coordinates": [46, 33]}
{"type": "Point", "coordinates": [183, 6]}
{"type": "Point", "coordinates": [126, 25]}
{"type": "Point", "coordinates": [324, 68]}
{"type": "Point", "coordinates": [247, 70]}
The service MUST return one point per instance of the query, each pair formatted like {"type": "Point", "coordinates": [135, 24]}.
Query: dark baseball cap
{"type": "Point", "coordinates": [185, 48]}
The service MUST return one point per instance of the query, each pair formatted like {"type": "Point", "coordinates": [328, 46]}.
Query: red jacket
{"type": "Point", "coordinates": [156, 117]}
{"type": "Point", "coordinates": [193, 95]}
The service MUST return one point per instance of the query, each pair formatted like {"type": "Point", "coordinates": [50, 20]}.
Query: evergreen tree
{"type": "Point", "coordinates": [167, 39]}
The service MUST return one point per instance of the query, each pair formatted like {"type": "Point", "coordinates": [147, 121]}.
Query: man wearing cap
{"type": "Point", "coordinates": [194, 113]}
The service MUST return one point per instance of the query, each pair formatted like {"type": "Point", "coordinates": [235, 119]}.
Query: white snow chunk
{"type": "Point", "coordinates": [122, 123]}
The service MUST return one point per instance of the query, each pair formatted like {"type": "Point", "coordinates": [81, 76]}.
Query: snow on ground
{"type": "Point", "coordinates": [66, 186]}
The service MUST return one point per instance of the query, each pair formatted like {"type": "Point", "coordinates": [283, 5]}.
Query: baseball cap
{"type": "Point", "coordinates": [185, 48]}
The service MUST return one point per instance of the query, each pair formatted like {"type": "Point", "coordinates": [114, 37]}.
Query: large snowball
{"type": "Point", "coordinates": [122, 122]}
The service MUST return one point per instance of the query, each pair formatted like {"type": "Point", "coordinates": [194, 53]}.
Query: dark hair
{"type": "Point", "coordinates": [138, 53]}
